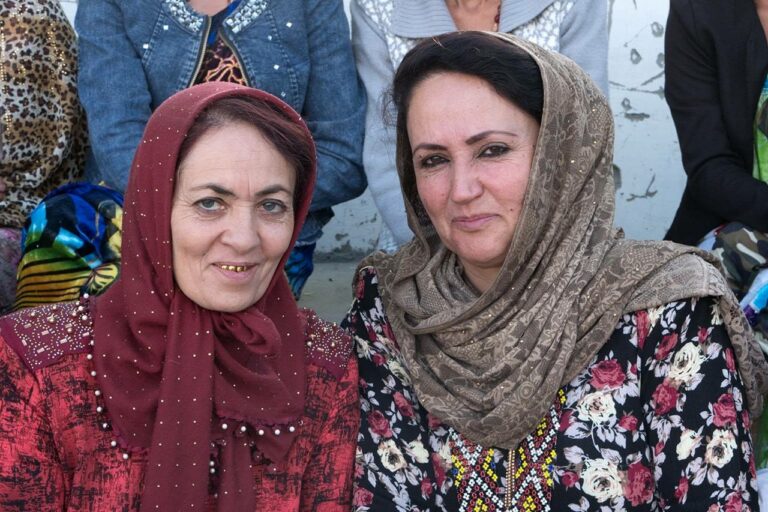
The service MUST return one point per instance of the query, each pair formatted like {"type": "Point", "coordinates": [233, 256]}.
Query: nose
{"type": "Point", "coordinates": [465, 183]}
{"type": "Point", "coordinates": [241, 229]}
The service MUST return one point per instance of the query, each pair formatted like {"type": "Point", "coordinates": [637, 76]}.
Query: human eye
{"type": "Point", "coordinates": [494, 150]}
{"type": "Point", "coordinates": [209, 204]}
{"type": "Point", "coordinates": [274, 206]}
{"type": "Point", "coordinates": [430, 161]}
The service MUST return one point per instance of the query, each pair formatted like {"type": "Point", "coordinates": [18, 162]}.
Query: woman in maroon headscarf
{"type": "Point", "coordinates": [195, 382]}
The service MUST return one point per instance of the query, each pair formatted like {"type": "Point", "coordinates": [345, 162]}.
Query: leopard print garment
{"type": "Point", "coordinates": [42, 125]}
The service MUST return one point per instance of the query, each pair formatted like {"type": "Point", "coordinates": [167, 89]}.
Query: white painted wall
{"type": "Point", "coordinates": [646, 154]}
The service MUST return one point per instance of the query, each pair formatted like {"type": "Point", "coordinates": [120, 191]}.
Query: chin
{"type": "Point", "coordinates": [227, 306]}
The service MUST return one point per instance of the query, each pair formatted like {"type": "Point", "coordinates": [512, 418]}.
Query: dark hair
{"type": "Point", "coordinates": [511, 72]}
{"type": "Point", "coordinates": [288, 138]}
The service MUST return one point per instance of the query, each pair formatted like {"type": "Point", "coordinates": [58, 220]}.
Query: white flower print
{"type": "Point", "coordinates": [416, 450]}
{"type": "Point", "coordinates": [720, 448]}
{"type": "Point", "coordinates": [689, 441]}
{"type": "Point", "coordinates": [391, 456]}
{"type": "Point", "coordinates": [601, 480]}
{"type": "Point", "coordinates": [686, 363]}
{"type": "Point", "coordinates": [598, 407]}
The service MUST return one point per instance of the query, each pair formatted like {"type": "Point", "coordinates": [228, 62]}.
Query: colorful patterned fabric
{"type": "Point", "coordinates": [481, 475]}
{"type": "Point", "coordinates": [656, 421]}
{"type": "Point", "coordinates": [10, 252]}
{"type": "Point", "coordinates": [71, 245]}
{"type": "Point", "coordinates": [760, 161]}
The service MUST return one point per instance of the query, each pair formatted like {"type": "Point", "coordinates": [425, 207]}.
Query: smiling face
{"type": "Point", "coordinates": [472, 154]}
{"type": "Point", "coordinates": [232, 217]}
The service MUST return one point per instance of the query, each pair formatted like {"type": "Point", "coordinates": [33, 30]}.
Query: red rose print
{"type": "Point", "coordinates": [681, 491]}
{"type": "Point", "coordinates": [437, 466]}
{"type": "Point", "coordinates": [665, 398]}
{"type": "Point", "coordinates": [733, 502]}
{"type": "Point", "coordinates": [426, 487]}
{"type": "Point", "coordinates": [607, 374]}
{"type": "Point", "coordinates": [359, 287]}
{"type": "Point", "coordinates": [703, 334]}
{"type": "Point", "coordinates": [746, 420]}
{"type": "Point", "coordinates": [565, 420]}
{"type": "Point", "coordinates": [569, 479]}
{"type": "Point", "coordinates": [379, 424]}
{"type": "Point", "coordinates": [403, 405]}
{"type": "Point", "coordinates": [638, 488]}
{"type": "Point", "coordinates": [628, 422]}
{"type": "Point", "coordinates": [668, 342]}
{"type": "Point", "coordinates": [643, 326]}
{"type": "Point", "coordinates": [730, 361]}
{"type": "Point", "coordinates": [724, 410]}
{"type": "Point", "coordinates": [363, 497]}
{"type": "Point", "coordinates": [433, 422]}
{"type": "Point", "coordinates": [379, 359]}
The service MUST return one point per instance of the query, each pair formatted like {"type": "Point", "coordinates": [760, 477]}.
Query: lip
{"type": "Point", "coordinates": [473, 222]}
{"type": "Point", "coordinates": [231, 270]}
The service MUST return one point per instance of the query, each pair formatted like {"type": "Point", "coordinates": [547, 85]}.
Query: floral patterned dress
{"type": "Point", "coordinates": [657, 421]}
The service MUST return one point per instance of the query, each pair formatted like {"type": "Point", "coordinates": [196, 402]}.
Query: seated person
{"type": "Point", "coordinates": [518, 354]}
{"type": "Point", "coordinates": [194, 382]}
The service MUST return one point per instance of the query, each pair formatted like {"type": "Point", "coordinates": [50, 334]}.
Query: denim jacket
{"type": "Point", "coordinates": [136, 53]}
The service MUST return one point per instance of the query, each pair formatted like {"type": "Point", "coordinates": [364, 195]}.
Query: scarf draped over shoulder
{"type": "Point", "coordinates": [490, 364]}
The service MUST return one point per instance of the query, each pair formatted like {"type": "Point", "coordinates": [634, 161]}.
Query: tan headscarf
{"type": "Point", "coordinates": [490, 364]}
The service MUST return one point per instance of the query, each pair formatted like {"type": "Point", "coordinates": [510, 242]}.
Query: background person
{"type": "Point", "coordinates": [717, 90]}
{"type": "Point", "coordinates": [517, 353]}
{"type": "Point", "coordinates": [384, 30]}
{"type": "Point", "coordinates": [42, 125]}
{"type": "Point", "coordinates": [194, 382]}
{"type": "Point", "coordinates": [134, 54]}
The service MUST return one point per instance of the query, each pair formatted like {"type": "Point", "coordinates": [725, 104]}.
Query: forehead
{"type": "Point", "coordinates": [231, 152]}
{"type": "Point", "coordinates": [461, 104]}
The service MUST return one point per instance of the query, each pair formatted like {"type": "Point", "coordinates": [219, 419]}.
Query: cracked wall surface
{"type": "Point", "coordinates": [647, 167]}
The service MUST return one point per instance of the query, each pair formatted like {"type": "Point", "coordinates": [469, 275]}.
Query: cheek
{"type": "Point", "coordinates": [433, 192]}
{"type": "Point", "coordinates": [276, 238]}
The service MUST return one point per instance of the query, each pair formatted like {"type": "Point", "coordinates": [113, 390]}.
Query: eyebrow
{"type": "Point", "coordinates": [472, 140]}
{"type": "Point", "coordinates": [273, 189]}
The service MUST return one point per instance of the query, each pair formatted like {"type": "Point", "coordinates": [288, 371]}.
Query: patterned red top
{"type": "Point", "coordinates": [58, 452]}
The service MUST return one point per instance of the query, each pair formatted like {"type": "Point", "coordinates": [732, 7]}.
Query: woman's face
{"type": "Point", "coordinates": [472, 153]}
{"type": "Point", "coordinates": [232, 217]}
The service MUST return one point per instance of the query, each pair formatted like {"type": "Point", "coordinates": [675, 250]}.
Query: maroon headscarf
{"type": "Point", "coordinates": [198, 389]}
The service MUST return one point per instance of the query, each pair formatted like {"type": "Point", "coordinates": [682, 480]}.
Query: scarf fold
{"type": "Point", "coordinates": [490, 364]}
{"type": "Point", "coordinates": [177, 377]}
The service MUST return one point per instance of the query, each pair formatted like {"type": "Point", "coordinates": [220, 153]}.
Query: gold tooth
{"type": "Point", "coordinates": [234, 268]}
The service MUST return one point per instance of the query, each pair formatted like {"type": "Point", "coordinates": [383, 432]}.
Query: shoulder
{"type": "Point", "coordinates": [327, 344]}
{"type": "Point", "coordinates": [41, 336]}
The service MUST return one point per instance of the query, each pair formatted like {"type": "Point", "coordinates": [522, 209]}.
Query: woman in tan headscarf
{"type": "Point", "coordinates": [518, 354]}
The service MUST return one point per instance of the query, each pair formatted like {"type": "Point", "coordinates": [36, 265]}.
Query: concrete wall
{"type": "Point", "coordinates": [650, 177]}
